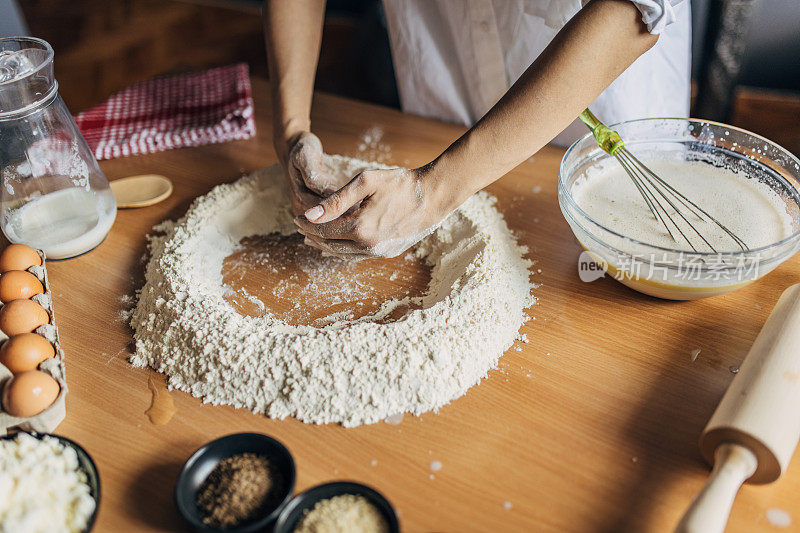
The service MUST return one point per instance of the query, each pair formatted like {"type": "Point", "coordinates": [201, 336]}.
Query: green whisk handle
{"type": "Point", "coordinates": [608, 139]}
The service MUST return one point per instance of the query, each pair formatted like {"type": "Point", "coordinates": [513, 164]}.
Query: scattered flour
{"type": "Point", "coordinates": [303, 275]}
{"type": "Point", "coordinates": [779, 517]}
{"type": "Point", "coordinates": [254, 300]}
{"type": "Point", "coordinates": [371, 148]}
{"type": "Point", "coordinates": [394, 420]}
{"type": "Point", "coordinates": [124, 314]}
{"type": "Point", "coordinates": [352, 371]}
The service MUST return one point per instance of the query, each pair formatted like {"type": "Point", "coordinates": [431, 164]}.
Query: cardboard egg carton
{"type": "Point", "coordinates": [47, 420]}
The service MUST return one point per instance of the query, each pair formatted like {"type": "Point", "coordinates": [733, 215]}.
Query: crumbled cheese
{"type": "Point", "coordinates": [42, 488]}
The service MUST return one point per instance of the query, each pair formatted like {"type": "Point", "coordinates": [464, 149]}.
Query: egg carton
{"type": "Point", "coordinates": [47, 420]}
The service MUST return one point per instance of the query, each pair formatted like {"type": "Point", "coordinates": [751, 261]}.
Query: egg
{"type": "Point", "coordinates": [29, 393]}
{"type": "Point", "coordinates": [18, 257]}
{"type": "Point", "coordinates": [24, 352]}
{"type": "Point", "coordinates": [22, 316]}
{"type": "Point", "coordinates": [19, 285]}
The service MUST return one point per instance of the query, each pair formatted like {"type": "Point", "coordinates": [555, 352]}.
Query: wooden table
{"type": "Point", "coordinates": [592, 426]}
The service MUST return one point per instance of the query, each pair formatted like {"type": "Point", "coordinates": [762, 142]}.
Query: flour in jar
{"type": "Point", "coordinates": [351, 370]}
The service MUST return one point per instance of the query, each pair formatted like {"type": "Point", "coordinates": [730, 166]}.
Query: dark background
{"type": "Point", "coordinates": [103, 46]}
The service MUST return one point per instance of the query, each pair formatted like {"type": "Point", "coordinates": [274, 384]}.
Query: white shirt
{"type": "Point", "coordinates": [454, 59]}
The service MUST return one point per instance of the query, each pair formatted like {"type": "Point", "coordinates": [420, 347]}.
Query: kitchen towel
{"type": "Point", "coordinates": [193, 109]}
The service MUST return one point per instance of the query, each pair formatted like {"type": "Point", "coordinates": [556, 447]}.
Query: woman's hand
{"type": "Point", "coordinates": [301, 158]}
{"type": "Point", "coordinates": [293, 33]}
{"type": "Point", "coordinates": [379, 213]}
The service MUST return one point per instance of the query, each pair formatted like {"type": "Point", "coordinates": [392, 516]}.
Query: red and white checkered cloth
{"type": "Point", "coordinates": [194, 109]}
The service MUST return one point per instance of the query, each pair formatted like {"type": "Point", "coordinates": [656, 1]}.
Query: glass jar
{"type": "Point", "coordinates": [53, 195]}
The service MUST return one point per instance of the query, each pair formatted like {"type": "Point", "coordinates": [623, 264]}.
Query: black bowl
{"type": "Point", "coordinates": [203, 461]}
{"type": "Point", "coordinates": [295, 509]}
{"type": "Point", "coordinates": [85, 463]}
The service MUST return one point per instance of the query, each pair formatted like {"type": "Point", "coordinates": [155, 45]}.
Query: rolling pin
{"type": "Point", "coordinates": [755, 429]}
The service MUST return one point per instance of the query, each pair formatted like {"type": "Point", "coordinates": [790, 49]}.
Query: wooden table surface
{"type": "Point", "coordinates": [592, 426]}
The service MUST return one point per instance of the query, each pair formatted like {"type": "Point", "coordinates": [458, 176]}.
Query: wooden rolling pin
{"type": "Point", "coordinates": [755, 429]}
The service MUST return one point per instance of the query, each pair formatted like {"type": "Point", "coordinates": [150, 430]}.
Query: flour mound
{"type": "Point", "coordinates": [356, 371]}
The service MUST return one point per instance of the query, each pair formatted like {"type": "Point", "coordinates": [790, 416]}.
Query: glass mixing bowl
{"type": "Point", "coordinates": [673, 273]}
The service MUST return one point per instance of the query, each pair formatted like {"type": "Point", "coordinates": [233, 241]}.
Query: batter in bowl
{"type": "Point", "coordinates": [748, 207]}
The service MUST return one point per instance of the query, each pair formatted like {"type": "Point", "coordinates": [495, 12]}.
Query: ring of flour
{"type": "Point", "coordinates": [349, 371]}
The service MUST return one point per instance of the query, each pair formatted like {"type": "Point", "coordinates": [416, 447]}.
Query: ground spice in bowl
{"type": "Point", "coordinates": [239, 489]}
{"type": "Point", "coordinates": [347, 512]}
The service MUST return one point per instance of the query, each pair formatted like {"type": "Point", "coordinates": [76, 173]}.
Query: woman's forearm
{"type": "Point", "coordinates": [595, 47]}
{"type": "Point", "coordinates": [293, 33]}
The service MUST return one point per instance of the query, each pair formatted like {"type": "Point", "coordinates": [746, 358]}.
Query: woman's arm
{"type": "Point", "coordinates": [590, 52]}
{"type": "Point", "coordinates": [293, 33]}
{"type": "Point", "coordinates": [401, 205]}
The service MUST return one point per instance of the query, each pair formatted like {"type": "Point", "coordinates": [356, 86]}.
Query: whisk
{"type": "Point", "coordinates": [666, 203]}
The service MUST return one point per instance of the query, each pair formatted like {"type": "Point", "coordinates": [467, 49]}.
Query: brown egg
{"type": "Point", "coordinates": [18, 285]}
{"type": "Point", "coordinates": [24, 352]}
{"type": "Point", "coordinates": [18, 257]}
{"type": "Point", "coordinates": [29, 393]}
{"type": "Point", "coordinates": [22, 316]}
